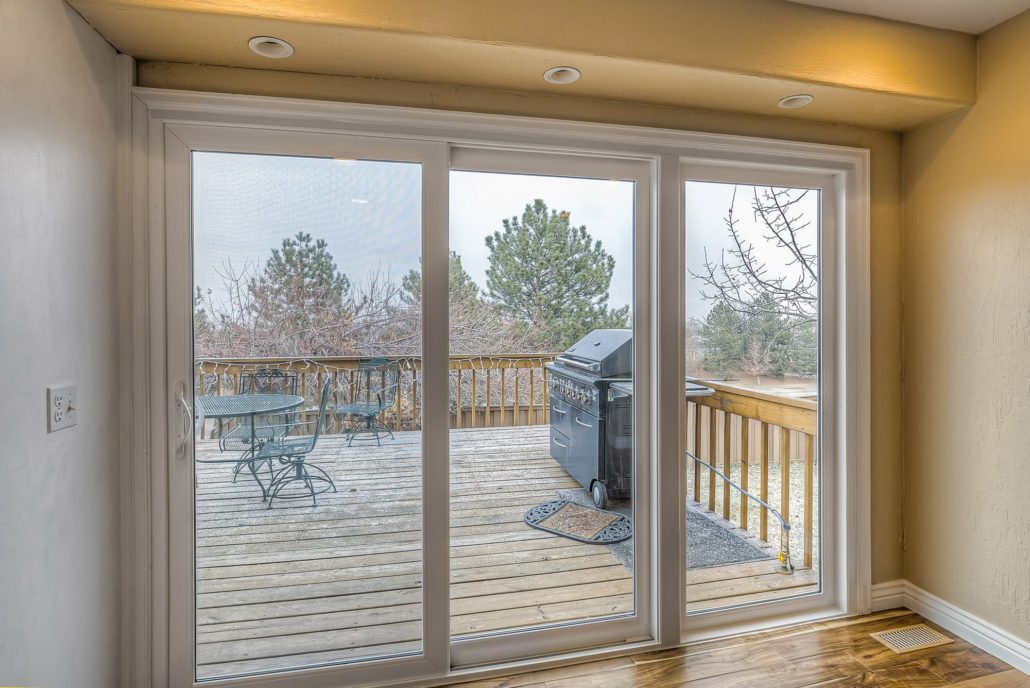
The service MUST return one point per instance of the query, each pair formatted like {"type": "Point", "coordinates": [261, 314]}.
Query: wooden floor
{"type": "Point", "coordinates": [295, 585]}
{"type": "Point", "coordinates": [834, 654]}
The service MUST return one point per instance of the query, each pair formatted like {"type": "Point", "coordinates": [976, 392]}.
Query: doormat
{"type": "Point", "coordinates": [580, 523]}
{"type": "Point", "coordinates": [713, 542]}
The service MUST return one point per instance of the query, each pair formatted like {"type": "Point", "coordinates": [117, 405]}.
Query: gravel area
{"type": "Point", "coordinates": [797, 493]}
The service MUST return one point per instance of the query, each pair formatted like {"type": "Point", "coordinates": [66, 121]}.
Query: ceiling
{"type": "Point", "coordinates": [968, 16]}
{"type": "Point", "coordinates": [727, 55]}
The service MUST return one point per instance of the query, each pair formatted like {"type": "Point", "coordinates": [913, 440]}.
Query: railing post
{"type": "Point", "coordinates": [545, 399]}
{"type": "Point", "coordinates": [785, 474]}
{"type": "Point", "coordinates": [809, 458]}
{"type": "Point", "coordinates": [745, 468]}
{"type": "Point", "coordinates": [697, 452]}
{"type": "Point", "coordinates": [488, 415]}
{"type": "Point", "coordinates": [531, 411]}
{"type": "Point", "coordinates": [472, 422]}
{"type": "Point", "coordinates": [763, 457]}
{"type": "Point", "coordinates": [727, 427]}
{"type": "Point", "coordinates": [517, 420]}
{"type": "Point", "coordinates": [416, 415]}
{"type": "Point", "coordinates": [713, 449]}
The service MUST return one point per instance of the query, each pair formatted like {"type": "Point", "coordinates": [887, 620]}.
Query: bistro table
{"type": "Point", "coordinates": [252, 406]}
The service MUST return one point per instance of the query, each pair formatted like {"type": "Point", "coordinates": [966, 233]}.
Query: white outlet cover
{"type": "Point", "coordinates": [62, 403]}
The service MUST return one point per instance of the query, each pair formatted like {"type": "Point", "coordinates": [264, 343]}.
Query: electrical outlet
{"type": "Point", "coordinates": [62, 407]}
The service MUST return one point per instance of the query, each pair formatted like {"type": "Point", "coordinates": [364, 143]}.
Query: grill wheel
{"type": "Point", "coordinates": [599, 493]}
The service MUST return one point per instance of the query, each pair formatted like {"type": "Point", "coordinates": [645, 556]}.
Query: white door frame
{"type": "Point", "coordinates": [833, 514]}
{"type": "Point", "coordinates": [148, 447]}
{"type": "Point", "coordinates": [588, 633]}
{"type": "Point", "coordinates": [181, 140]}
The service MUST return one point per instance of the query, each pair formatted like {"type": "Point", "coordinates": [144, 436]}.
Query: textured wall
{"type": "Point", "coordinates": [967, 343]}
{"type": "Point", "coordinates": [59, 492]}
{"type": "Point", "coordinates": [886, 213]}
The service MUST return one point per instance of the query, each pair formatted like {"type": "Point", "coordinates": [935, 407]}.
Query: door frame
{"type": "Point", "coordinates": [832, 511]}
{"type": "Point", "coordinates": [181, 140]}
{"type": "Point", "coordinates": [147, 435]}
{"type": "Point", "coordinates": [505, 646]}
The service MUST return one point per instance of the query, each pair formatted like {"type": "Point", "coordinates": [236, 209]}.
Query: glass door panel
{"type": "Point", "coordinates": [541, 408]}
{"type": "Point", "coordinates": [753, 472]}
{"type": "Point", "coordinates": [307, 500]}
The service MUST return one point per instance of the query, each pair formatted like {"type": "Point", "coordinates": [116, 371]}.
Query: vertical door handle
{"type": "Point", "coordinates": [182, 437]}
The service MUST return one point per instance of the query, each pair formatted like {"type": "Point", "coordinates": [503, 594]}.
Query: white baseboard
{"type": "Point", "coordinates": [888, 595]}
{"type": "Point", "coordinates": [985, 635]}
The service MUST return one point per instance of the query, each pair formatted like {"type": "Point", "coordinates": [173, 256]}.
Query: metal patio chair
{"type": "Point", "coordinates": [265, 428]}
{"type": "Point", "coordinates": [373, 392]}
{"type": "Point", "coordinates": [291, 453]}
{"type": "Point", "coordinates": [199, 421]}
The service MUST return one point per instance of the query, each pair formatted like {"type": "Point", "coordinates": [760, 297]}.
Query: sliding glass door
{"type": "Point", "coordinates": [305, 479]}
{"type": "Point", "coordinates": [433, 404]}
{"type": "Point", "coordinates": [356, 478]}
{"type": "Point", "coordinates": [549, 477]}
{"type": "Point", "coordinates": [755, 358]}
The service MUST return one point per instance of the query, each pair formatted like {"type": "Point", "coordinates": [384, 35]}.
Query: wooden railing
{"type": "Point", "coordinates": [743, 432]}
{"type": "Point", "coordinates": [752, 435]}
{"type": "Point", "coordinates": [486, 391]}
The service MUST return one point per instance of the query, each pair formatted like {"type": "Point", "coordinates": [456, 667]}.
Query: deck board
{"type": "Point", "coordinates": [295, 585]}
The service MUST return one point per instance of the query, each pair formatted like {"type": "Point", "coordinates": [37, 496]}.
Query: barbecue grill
{"type": "Point", "coordinates": [591, 398]}
{"type": "Point", "coordinates": [591, 394]}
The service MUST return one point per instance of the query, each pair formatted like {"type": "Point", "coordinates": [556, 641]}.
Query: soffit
{"type": "Point", "coordinates": [736, 55]}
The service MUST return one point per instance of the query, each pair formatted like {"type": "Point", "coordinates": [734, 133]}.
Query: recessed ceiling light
{"type": "Point", "coordinates": [268, 46]}
{"type": "Point", "coordinates": [796, 101]}
{"type": "Point", "coordinates": [561, 75]}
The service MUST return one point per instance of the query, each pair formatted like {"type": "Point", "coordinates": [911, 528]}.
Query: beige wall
{"type": "Point", "coordinates": [886, 213]}
{"type": "Point", "coordinates": [58, 492]}
{"type": "Point", "coordinates": [967, 343]}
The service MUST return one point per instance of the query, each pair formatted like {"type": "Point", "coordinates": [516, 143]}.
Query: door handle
{"type": "Point", "coordinates": [558, 410]}
{"type": "Point", "coordinates": [563, 446]}
{"type": "Point", "coordinates": [182, 437]}
{"type": "Point", "coordinates": [585, 425]}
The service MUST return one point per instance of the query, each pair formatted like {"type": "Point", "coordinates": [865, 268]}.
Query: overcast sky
{"type": "Point", "coordinates": [369, 214]}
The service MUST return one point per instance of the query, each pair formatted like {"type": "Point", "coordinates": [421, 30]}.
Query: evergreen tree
{"type": "Point", "coordinates": [203, 326]}
{"type": "Point", "coordinates": [760, 341]}
{"type": "Point", "coordinates": [552, 276]}
{"type": "Point", "coordinates": [768, 336]}
{"type": "Point", "coordinates": [460, 285]}
{"type": "Point", "coordinates": [804, 349]}
{"type": "Point", "coordinates": [300, 294]}
{"type": "Point", "coordinates": [722, 340]}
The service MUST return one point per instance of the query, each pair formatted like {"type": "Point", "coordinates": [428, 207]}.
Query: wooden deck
{"type": "Point", "coordinates": [295, 585]}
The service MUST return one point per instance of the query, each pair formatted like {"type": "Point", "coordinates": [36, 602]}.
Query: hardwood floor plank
{"type": "Point", "coordinates": [823, 654]}
{"type": "Point", "coordinates": [1011, 678]}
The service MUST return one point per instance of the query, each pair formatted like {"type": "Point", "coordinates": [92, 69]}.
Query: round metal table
{"type": "Point", "coordinates": [252, 406]}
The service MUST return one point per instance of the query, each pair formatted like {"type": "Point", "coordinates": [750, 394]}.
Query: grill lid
{"type": "Point", "coordinates": [607, 353]}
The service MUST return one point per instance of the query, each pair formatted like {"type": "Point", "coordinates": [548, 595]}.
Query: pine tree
{"type": "Point", "coordinates": [460, 285]}
{"type": "Point", "coordinates": [722, 340]}
{"type": "Point", "coordinates": [300, 294]}
{"type": "Point", "coordinates": [760, 341]}
{"type": "Point", "coordinates": [768, 335]}
{"type": "Point", "coordinates": [552, 276]}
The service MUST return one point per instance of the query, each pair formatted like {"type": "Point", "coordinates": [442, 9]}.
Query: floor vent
{"type": "Point", "coordinates": [911, 638]}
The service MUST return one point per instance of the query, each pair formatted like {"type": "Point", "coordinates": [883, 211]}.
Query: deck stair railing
{"type": "Point", "coordinates": [748, 434]}
{"type": "Point", "coordinates": [784, 557]}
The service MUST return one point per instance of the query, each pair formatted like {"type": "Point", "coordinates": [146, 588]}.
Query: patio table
{"type": "Point", "coordinates": [252, 406]}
